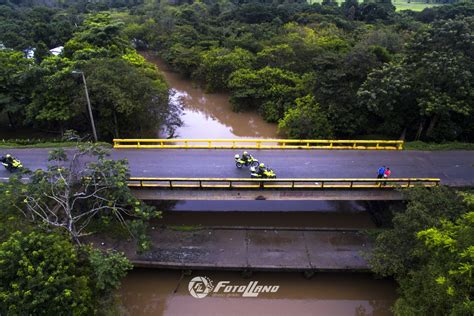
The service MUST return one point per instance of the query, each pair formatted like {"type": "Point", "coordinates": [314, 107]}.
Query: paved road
{"type": "Point", "coordinates": [453, 167]}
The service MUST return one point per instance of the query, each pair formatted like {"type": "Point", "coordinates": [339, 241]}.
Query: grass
{"type": "Point", "coordinates": [373, 233]}
{"type": "Point", "coordinates": [111, 229]}
{"type": "Point", "coordinates": [419, 145]}
{"type": "Point", "coordinates": [38, 143]}
{"type": "Point", "coordinates": [184, 228]}
{"type": "Point", "coordinates": [414, 6]}
{"type": "Point", "coordinates": [399, 4]}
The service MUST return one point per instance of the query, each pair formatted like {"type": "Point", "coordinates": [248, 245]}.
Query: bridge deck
{"type": "Point", "coordinates": [454, 168]}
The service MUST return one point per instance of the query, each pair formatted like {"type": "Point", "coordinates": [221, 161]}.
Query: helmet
{"type": "Point", "coordinates": [246, 153]}
{"type": "Point", "coordinates": [8, 155]}
{"type": "Point", "coordinates": [237, 156]}
{"type": "Point", "coordinates": [261, 165]}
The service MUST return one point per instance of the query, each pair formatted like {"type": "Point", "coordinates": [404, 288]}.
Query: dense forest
{"type": "Point", "coordinates": [319, 71]}
{"type": "Point", "coordinates": [325, 71]}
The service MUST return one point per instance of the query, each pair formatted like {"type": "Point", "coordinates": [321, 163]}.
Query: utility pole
{"type": "Point", "coordinates": [88, 103]}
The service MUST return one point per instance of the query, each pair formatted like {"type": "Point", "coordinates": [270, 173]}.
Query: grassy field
{"type": "Point", "coordinates": [414, 6]}
{"type": "Point", "coordinates": [434, 146]}
{"type": "Point", "coordinates": [40, 144]}
{"type": "Point", "coordinates": [399, 4]}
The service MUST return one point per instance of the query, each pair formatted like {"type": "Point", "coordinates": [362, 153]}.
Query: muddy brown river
{"type": "Point", "coordinates": [161, 292]}
{"type": "Point", "coordinates": [208, 115]}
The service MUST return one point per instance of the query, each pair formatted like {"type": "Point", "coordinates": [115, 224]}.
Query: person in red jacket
{"type": "Point", "coordinates": [386, 174]}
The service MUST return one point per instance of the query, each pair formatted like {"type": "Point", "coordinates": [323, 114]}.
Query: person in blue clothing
{"type": "Point", "coordinates": [380, 172]}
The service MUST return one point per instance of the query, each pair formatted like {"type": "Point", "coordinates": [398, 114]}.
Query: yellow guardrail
{"type": "Point", "coordinates": [237, 183]}
{"type": "Point", "coordinates": [258, 144]}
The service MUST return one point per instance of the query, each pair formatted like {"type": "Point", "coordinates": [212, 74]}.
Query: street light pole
{"type": "Point", "coordinates": [88, 103]}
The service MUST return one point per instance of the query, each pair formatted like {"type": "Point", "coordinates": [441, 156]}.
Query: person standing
{"type": "Point", "coordinates": [381, 172]}
{"type": "Point", "coordinates": [387, 173]}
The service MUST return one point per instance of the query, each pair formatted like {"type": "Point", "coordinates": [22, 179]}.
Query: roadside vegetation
{"type": "Point", "coordinates": [419, 145]}
{"type": "Point", "coordinates": [128, 95]}
{"type": "Point", "coordinates": [46, 264]}
{"type": "Point", "coordinates": [42, 143]}
{"type": "Point", "coordinates": [429, 252]}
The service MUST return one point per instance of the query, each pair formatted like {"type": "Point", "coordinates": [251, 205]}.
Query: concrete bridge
{"type": "Point", "coordinates": [273, 189]}
{"type": "Point", "coordinates": [453, 168]}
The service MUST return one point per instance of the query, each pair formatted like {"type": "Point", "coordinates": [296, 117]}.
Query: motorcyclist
{"type": "Point", "coordinates": [261, 169]}
{"type": "Point", "coordinates": [8, 159]}
{"type": "Point", "coordinates": [246, 157]}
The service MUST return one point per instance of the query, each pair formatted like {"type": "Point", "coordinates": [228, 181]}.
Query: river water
{"type": "Point", "coordinates": [209, 115]}
{"type": "Point", "coordinates": [161, 292]}
{"type": "Point", "coordinates": [288, 214]}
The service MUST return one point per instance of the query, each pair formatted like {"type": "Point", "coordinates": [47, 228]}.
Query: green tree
{"type": "Point", "coordinates": [109, 269]}
{"type": "Point", "coordinates": [218, 63]}
{"type": "Point", "coordinates": [10, 219]}
{"type": "Point", "coordinates": [269, 90]}
{"type": "Point", "coordinates": [279, 56]}
{"type": "Point", "coordinates": [388, 94]}
{"type": "Point", "coordinates": [395, 249]}
{"type": "Point", "coordinates": [306, 121]}
{"type": "Point", "coordinates": [137, 98]}
{"type": "Point", "coordinates": [55, 96]}
{"type": "Point", "coordinates": [183, 59]}
{"type": "Point", "coordinates": [99, 36]}
{"type": "Point", "coordinates": [443, 285]}
{"type": "Point", "coordinates": [431, 89]}
{"type": "Point", "coordinates": [14, 85]}
{"type": "Point", "coordinates": [41, 274]}
{"type": "Point", "coordinates": [81, 187]}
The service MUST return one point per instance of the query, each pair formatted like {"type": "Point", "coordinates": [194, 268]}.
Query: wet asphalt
{"type": "Point", "coordinates": [455, 168]}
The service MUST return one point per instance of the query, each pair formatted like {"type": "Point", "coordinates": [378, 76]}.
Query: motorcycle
{"type": "Point", "coordinates": [239, 162]}
{"type": "Point", "coordinates": [267, 174]}
{"type": "Point", "coordinates": [12, 166]}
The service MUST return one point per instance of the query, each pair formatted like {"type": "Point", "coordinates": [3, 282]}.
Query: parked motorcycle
{"type": "Point", "coordinates": [10, 163]}
{"type": "Point", "coordinates": [267, 174]}
{"type": "Point", "coordinates": [239, 162]}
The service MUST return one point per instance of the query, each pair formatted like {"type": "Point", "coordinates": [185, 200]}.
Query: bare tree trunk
{"type": "Point", "coordinates": [116, 125]}
{"type": "Point", "coordinates": [10, 119]}
{"type": "Point", "coordinates": [433, 122]}
{"type": "Point", "coordinates": [61, 128]}
{"type": "Point", "coordinates": [404, 134]}
{"type": "Point", "coordinates": [420, 130]}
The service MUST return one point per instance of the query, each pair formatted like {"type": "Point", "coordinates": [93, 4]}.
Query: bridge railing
{"type": "Point", "coordinates": [258, 144]}
{"type": "Point", "coordinates": [237, 183]}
